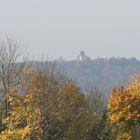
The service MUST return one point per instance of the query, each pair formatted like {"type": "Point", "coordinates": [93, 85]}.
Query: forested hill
{"type": "Point", "coordinates": [102, 73]}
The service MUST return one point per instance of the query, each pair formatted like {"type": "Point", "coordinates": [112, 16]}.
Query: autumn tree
{"type": "Point", "coordinates": [22, 118]}
{"type": "Point", "coordinates": [21, 122]}
{"type": "Point", "coordinates": [62, 107]}
{"type": "Point", "coordinates": [97, 106]}
{"type": "Point", "coordinates": [10, 69]}
{"type": "Point", "coordinates": [74, 110]}
{"type": "Point", "coordinates": [124, 110]}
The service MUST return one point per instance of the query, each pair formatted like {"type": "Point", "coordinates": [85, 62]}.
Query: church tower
{"type": "Point", "coordinates": [83, 57]}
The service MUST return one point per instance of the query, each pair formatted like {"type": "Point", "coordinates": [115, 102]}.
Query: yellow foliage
{"type": "Point", "coordinates": [124, 104]}
{"type": "Point", "coordinates": [125, 136]}
{"type": "Point", "coordinates": [124, 107]}
{"type": "Point", "coordinates": [21, 119]}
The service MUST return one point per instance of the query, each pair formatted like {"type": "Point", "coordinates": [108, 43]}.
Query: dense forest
{"type": "Point", "coordinates": [101, 73]}
{"type": "Point", "coordinates": [40, 102]}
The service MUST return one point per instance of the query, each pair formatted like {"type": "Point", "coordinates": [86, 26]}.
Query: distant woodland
{"type": "Point", "coordinates": [101, 73]}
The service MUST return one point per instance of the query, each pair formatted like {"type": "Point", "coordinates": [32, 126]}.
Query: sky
{"type": "Point", "coordinates": [54, 28]}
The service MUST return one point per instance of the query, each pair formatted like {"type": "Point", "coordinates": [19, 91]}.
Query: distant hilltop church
{"type": "Point", "coordinates": [83, 57]}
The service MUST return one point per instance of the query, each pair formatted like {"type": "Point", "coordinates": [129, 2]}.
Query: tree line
{"type": "Point", "coordinates": [100, 72]}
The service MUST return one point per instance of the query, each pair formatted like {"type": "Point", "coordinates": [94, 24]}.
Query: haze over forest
{"type": "Point", "coordinates": [101, 73]}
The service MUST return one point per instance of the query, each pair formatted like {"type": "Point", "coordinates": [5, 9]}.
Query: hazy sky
{"type": "Point", "coordinates": [102, 28]}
